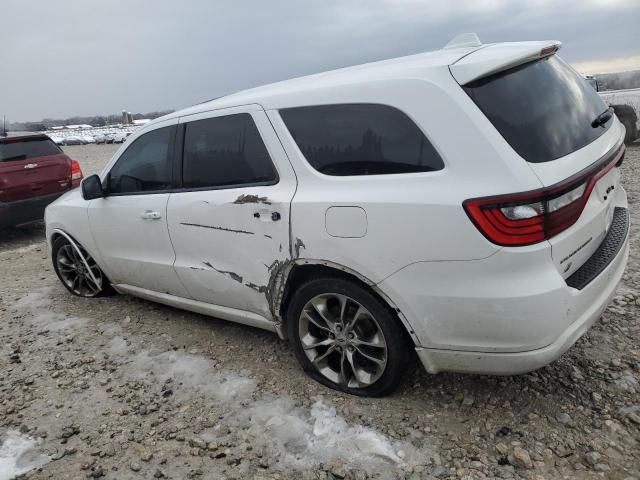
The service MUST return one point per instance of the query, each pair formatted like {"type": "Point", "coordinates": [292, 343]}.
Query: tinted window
{"type": "Point", "coordinates": [145, 165]}
{"type": "Point", "coordinates": [225, 151]}
{"type": "Point", "coordinates": [360, 139]}
{"type": "Point", "coordinates": [543, 109]}
{"type": "Point", "coordinates": [27, 148]}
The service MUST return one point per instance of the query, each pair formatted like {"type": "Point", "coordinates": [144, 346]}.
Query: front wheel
{"type": "Point", "coordinates": [73, 272]}
{"type": "Point", "coordinates": [346, 338]}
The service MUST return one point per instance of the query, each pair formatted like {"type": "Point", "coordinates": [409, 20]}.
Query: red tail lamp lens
{"type": "Point", "coordinates": [530, 217]}
{"type": "Point", "coordinates": [76, 171]}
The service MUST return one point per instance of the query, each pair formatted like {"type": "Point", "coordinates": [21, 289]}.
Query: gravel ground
{"type": "Point", "coordinates": [124, 388]}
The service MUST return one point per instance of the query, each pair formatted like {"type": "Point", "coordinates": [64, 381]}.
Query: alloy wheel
{"type": "Point", "coordinates": [343, 340]}
{"type": "Point", "coordinates": [74, 273]}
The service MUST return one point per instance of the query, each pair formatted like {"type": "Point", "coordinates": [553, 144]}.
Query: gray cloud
{"type": "Point", "coordinates": [88, 57]}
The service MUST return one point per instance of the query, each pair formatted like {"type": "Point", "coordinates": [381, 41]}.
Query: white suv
{"type": "Point", "coordinates": [464, 204]}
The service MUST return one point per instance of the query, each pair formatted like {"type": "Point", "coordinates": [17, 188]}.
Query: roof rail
{"type": "Point", "coordinates": [464, 40]}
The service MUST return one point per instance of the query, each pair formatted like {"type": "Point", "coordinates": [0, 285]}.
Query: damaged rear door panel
{"type": "Point", "coordinates": [229, 220]}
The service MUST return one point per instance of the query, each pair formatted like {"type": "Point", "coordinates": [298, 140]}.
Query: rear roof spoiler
{"type": "Point", "coordinates": [499, 57]}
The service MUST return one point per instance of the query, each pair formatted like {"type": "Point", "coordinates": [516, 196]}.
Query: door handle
{"type": "Point", "coordinates": [150, 215]}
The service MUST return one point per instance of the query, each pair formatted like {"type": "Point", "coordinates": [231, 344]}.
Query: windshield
{"type": "Point", "coordinates": [543, 109]}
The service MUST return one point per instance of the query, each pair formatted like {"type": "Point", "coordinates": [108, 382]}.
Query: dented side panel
{"type": "Point", "coordinates": [410, 217]}
{"type": "Point", "coordinates": [230, 242]}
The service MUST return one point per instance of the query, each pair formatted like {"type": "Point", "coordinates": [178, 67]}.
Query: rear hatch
{"type": "Point", "coordinates": [32, 166]}
{"type": "Point", "coordinates": [560, 126]}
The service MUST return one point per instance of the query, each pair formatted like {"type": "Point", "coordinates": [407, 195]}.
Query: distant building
{"type": "Point", "coordinates": [127, 118]}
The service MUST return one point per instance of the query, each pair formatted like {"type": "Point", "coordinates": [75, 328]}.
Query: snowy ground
{"type": "Point", "coordinates": [122, 388]}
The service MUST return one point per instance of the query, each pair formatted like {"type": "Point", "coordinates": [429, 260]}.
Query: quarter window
{"type": "Point", "coordinates": [145, 166]}
{"type": "Point", "coordinates": [225, 151]}
{"type": "Point", "coordinates": [360, 139]}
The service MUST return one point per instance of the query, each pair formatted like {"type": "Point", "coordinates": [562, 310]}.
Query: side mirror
{"type": "Point", "coordinates": [92, 188]}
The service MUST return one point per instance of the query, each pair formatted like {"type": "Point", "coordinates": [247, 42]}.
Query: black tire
{"type": "Point", "coordinates": [62, 248]}
{"type": "Point", "coordinates": [395, 338]}
{"type": "Point", "coordinates": [631, 133]}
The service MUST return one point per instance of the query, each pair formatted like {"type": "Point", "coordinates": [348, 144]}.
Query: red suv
{"type": "Point", "coordinates": [33, 173]}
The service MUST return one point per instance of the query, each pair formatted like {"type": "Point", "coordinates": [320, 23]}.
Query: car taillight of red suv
{"type": "Point", "coordinates": [76, 174]}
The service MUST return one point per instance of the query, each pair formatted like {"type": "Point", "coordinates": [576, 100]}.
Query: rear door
{"type": "Point", "coordinates": [31, 167]}
{"type": "Point", "coordinates": [229, 222]}
{"type": "Point", "coordinates": [548, 114]}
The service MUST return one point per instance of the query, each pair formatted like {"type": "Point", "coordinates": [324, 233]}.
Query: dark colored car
{"type": "Point", "coordinates": [33, 173]}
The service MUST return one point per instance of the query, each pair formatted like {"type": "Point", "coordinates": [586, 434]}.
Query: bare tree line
{"type": "Point", "coordinates": [96, 121]}
{"type": "Point", "coordinates": [618, 81]}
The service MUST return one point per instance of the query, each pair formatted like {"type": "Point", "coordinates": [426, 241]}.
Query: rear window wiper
{"type": "Point", "coordinates": [603, 118]}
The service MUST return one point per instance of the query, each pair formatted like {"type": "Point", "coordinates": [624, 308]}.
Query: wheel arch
{"type": "Point", "coordinates": [59, 233]}
{"type": "Point", "coordinates": [302, 270]}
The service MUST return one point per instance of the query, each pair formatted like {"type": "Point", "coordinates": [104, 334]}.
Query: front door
{"type": "Point", "coordinates": [129, 225]}
{"type": "Point", "coordinates": [229, 223]}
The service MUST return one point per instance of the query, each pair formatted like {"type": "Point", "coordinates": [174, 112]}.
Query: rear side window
{"type": "Point", "coordinates": [145, 166]}
{"type": "Point", "coordinates": [27, 148]}
{"type": "Point", "coordinates": [360, 139]}
{"type": "Point", "coordinates": [225, 151]}
{"type": "Point", "coordinates": [542, 109]}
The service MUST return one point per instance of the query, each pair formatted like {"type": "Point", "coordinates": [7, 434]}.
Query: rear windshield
{"type": "Point", "coordinates": [27, 148]}
{"type": "Point", "coordinates": [544, 109]}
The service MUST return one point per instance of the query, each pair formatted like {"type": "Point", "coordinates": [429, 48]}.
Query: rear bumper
{"type": "Point", "coordinates": [602, 288]}
{"type": "Point", "coordinates": [507, 314]}
{"type": "Point", "coordinates": [24, 211]}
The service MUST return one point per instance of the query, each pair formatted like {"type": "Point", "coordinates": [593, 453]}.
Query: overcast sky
{"type": "Point", "coordinates": [85, 57]}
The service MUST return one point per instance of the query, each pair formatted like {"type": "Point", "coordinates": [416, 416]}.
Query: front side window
{"type": "Point", "coordinates": [27, 148]}
{"type": "Point", "coordinates": [145, 166]}
{"type": "Point", "coordinates": [225, 151]}
{"type": "Point", "coordinates": [360, 139]}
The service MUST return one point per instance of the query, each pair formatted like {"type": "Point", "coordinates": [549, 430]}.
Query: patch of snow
{"type": "Point", "coordinates": [17, 455]}
{"type": "Point", "coordinates": [299, 437]}
{"type": "Point", "coordinates": [191, 374]}
{"type": "Point", "coordinates": [118, 347]}
{"type": "Point", "coordinates": [303, 438]}
{"type": "Point", "coordinates": [37, 304]}
{"type": "Point", "coordinates": [23, 250]}
{"type": "Point", "coordinates": [34, 300]}
{"type": "Point", "coordinates": [627, 382]}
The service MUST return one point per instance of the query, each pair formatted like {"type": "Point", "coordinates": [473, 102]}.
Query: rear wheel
{"type": "Point", "coordinates": [71, 268]}
{"type": "Point", "coordinates": [346, 338]}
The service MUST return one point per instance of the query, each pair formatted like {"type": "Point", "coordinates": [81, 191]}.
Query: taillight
{"type": "Point", "coordinates": [531, 217]}
{"type": "Point", "coordinates": [76, 172]}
